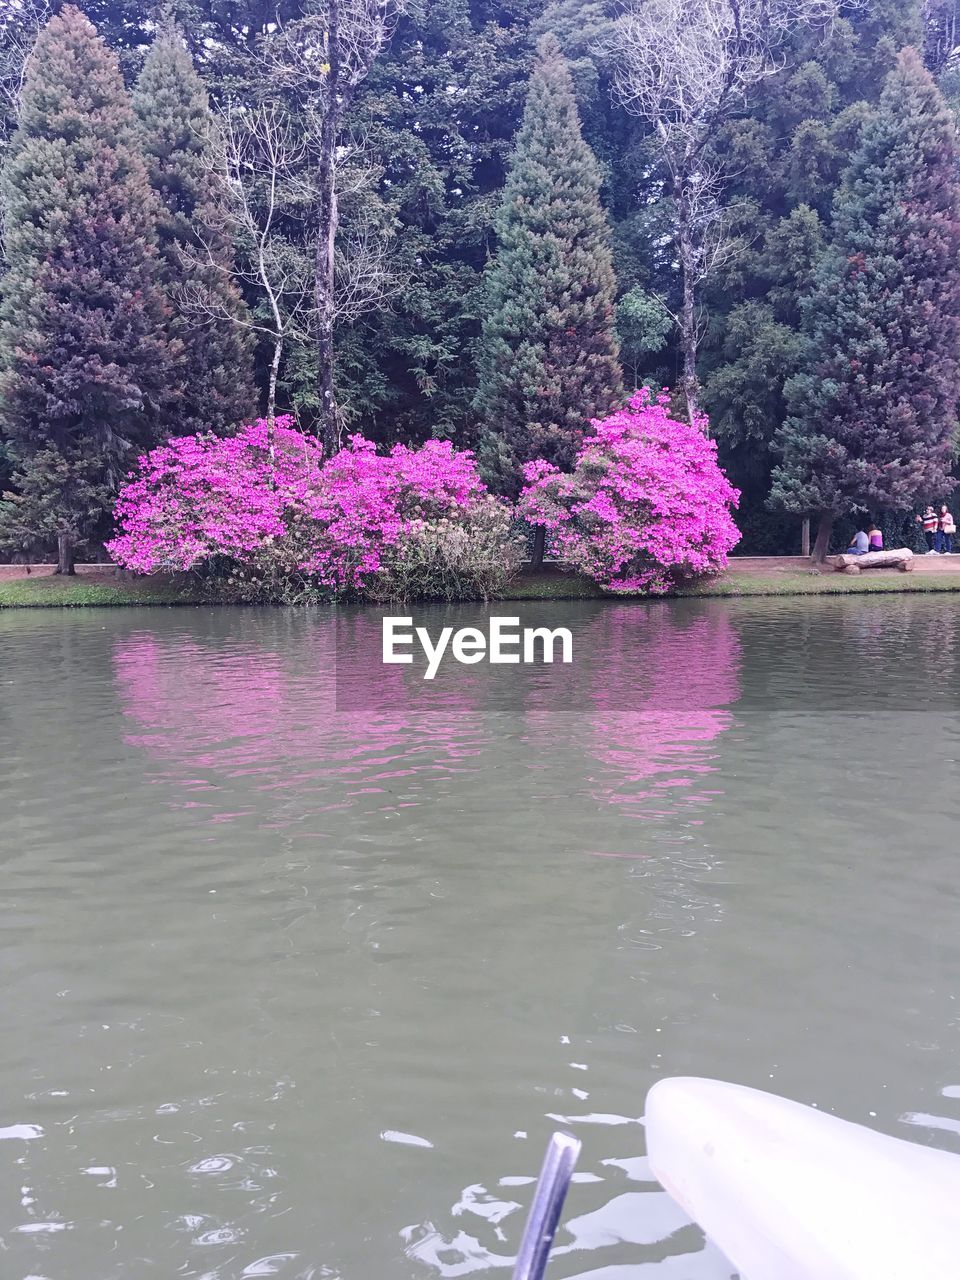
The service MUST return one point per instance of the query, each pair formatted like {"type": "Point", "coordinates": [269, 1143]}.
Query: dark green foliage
{"type": "Point", "coordinates": [643, 328]}
{"type": "Point", "coordinates": [439, 115]}
{"type": "Point", "coordinates": [440, 110]}
{"type": "Point", "coordinates": [208, 320]}
{"type": "Point", "coordinates": [84, 364]}
{"type": "Point", "coordinates": [785, 160]}
{"type": "Point", "coordinates": [549, 359]}
{"type": "Point", "coordinates": [641, 218]}
{"type": "Point", "coordinates": [6, 465]}
{"type": "Point", "coordinates": [61, 493]}
{"type": "Point", "coordinates": [761, 342]}
{"type": "Point", "coordinates": [872, 413]}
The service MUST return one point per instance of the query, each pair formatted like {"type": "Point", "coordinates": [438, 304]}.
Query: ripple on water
{"type": "Point", "coordinates": [294, 972]}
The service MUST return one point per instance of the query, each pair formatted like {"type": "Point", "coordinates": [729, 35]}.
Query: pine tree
{"type": "Point", "coordinates": [783, 162]}
{"type": "Point", "coordinates": [83, 356]}
{"type": "Point", "coordinates": [549, 358]}
{"type": "Point", "coordinates": [207, 316]}
{"type": "Point", "coordinates": [872, 415]}
{"type": "Point", "coordinates": [439, 112]}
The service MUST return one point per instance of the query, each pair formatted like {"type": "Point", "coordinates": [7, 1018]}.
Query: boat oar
{"type": "Point", "coordinates": [555, 1174]}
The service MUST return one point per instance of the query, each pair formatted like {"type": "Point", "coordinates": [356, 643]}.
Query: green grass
{"type": "Point", "coordinates": [549, 584]}
{"type": "Point", "coordinates": [553, 585]}
{"type": "Point", "coordinates": [823, 584]}
{"type": "Point", "coordinates": [74, 593]}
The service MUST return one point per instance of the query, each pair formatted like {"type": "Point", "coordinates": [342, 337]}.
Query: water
{"type": "Point", "coordinates": [302, 960]}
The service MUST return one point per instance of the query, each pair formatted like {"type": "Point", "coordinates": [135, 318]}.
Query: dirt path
{"type": "Point", "coordinates": [94, 573]}
{"type": "Point", "coordinates": [771, 566]}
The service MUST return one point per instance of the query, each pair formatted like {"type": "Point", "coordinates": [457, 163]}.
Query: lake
{"type": "Point", "coordinates": [303, 957]}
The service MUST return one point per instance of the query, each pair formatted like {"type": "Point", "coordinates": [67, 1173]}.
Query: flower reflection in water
{"type": "Point", "coordinates": [662, 701]}
{"type": "Point", "coordinates": [310, 716]}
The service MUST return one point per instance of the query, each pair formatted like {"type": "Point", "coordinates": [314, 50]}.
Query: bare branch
{"type": "Point", "coordinates": [683, 67]}
{"type": "Point", "coordinates": [260, 162]}
{"type": "Point", "coordinates": [20, 23]}
{"type": "Point", "coordinates": [331, 50]}
{"type": "Point", "coordinates": [320, 60]}
{"type": "Point", "coordinates": [365, 278]}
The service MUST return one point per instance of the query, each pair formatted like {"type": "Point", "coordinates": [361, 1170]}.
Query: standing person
{"type": "Point", "coordinates": [875, 537]}
{"type": "Point", "coordinates": [946, 530]}
{"type": "Point", "coordinates": [931, 524]}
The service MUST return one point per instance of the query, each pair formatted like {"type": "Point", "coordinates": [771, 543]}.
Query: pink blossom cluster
{"type": "Point", "coordinates": [368, 502]}
{"type": "Point", "coordinates": [201, 496]}
{"type": "Point", "coordinates": [269, 494]}
{"type": "Point", "coordinates": [646, 505]}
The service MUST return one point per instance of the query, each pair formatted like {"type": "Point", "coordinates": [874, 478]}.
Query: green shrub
{"type": "Point", "coordinates": [473, 557]}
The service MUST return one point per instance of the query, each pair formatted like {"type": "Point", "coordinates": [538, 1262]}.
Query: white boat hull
{"type": "Point", "coordinates": [788, 1193]}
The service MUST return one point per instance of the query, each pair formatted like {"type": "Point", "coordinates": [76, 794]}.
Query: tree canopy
{"type": "Point", "coordinates": [85, 357]}
{"type": "Point", "coordinates": [493, 232]}
{"type": "Point", "coordinates": [872, 412]}
{"type": "Point", "coordinates": [549, 358]}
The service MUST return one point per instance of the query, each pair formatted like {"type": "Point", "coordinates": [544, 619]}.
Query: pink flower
{"type": "Point", "coordinates": [201, 499]}
{"type": "Point", "coordinates": [646, 506]}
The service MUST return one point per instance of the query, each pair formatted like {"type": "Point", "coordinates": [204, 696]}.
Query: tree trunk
{"type": "Point", "coordinates": [895, 558]}
{"type": "Point", "coordinates": [822, 544]}
{"type": "Point", "coordinates": [688, 314]}
{"type": "Point", "coordinates": [272, 380]}
{"type": "Point", "coordinates": [539, 543]}
{"type": "Point", "coordinates": [65, 555]}
{"type": "Point", "coordinates": [805, 537]}
{"type": "Point", "coordinates": [272, 402]}
{"type": "Point", "coordinates": [324, 299]}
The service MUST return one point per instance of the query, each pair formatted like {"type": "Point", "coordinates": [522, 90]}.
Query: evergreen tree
{"type": "Point", "coordinates": [784, 162]}
{"type": "Point", "coordinates": [208, 319]}
{"type": "Point", "coordinates": [549, 358]}
{"type": "Point", "coordinates": [84, 361]}
{"type": "Point", "coordinates": [762, 347]}
{"type": "Point", "coordinates": [439, 113]}
{"type": "Point", "coordinates": [872, 414]}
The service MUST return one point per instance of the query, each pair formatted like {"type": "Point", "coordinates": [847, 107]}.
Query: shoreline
{"type": "Point", "coordinates": [103, 586]}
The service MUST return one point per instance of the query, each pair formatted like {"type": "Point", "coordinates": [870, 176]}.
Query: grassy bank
{"type": "Point", "coordinates": [551, 584]}
{"type": "Point", "coordinates": [562, 586]}
{"type": "Point", "coordinates": [84, 591]}
{"type": "Point", "coordinates": [824, 584]}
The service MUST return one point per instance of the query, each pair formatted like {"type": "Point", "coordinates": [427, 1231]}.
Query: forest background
{"type": "Point", "coordinates": [425, 144]}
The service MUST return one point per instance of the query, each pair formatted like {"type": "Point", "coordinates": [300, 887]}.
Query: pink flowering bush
{"type": "Point", "coordinates": [646, 506]}
{"type": "Point", "coordinates": [367, 502]}
{"type": "Point", "coordinates": [266, 518]}
{"type": "Point", "coordinates": [201, 497]}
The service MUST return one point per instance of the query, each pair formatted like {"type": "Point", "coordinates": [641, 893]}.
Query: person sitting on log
{"type": "Point", "coordinates": [859, 544]}
{"type": "Point", "coordinates": [875, 537]}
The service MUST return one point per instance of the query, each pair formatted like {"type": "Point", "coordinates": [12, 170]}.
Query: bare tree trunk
{"type": "Point", "coordinates": [326, 241]}
{"type": "Point", "coordinates": [805, 536]}
{"type": "Point", "coordinates": [329, 417]}
{"type": "Point", "coordinates": [272, 399]}
{"type": "Point", "coordinates": [272, 382]}
{"type": "Point", "coordinates": [65, 555]}
{"type": "Point", "coordinates": [688, 314]}
{"type": "Point", "coordinates": [539, 544]}
{"type": "Point", "coordinates": [822, 544]}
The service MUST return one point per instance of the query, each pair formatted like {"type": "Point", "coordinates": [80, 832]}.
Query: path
{"type": "Point", "coordinates": [770, 566]}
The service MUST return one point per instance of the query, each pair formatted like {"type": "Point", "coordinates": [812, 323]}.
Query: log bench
{"type": "Point", "coordinates": [896, 558]}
